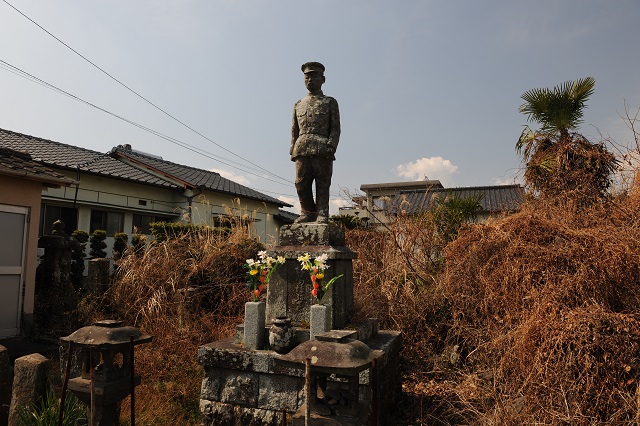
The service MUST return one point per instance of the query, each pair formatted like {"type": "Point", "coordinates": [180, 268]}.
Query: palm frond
{"type": "Point", "coordinates": [559, 109]}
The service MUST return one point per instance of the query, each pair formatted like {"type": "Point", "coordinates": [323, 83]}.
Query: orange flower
{"type": "Point", "coordinates": [313, 278]}
{"type": "Point", "coordinates": [261, 287]}
{"type": "Point", "coordinates": [262, 278]}
{"type": "Point", "coordinates": [257, 293]}
{"type": "Point", "coordinates": [314, 292]}
{"type": "Point", "coordinates": [316, 285]}
{"type": "Point", "coordinates": [264, 272]}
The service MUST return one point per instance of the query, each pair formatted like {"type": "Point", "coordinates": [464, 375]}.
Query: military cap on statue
{"type": "Point", "coordinates": [312, 67]}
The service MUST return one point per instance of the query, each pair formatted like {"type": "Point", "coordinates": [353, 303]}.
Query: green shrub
{"type": "Point", "coordinates": [97, 244]}
{"type": "Point", "coordinates": [120, 241]}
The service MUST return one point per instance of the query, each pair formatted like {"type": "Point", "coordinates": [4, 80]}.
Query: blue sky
{"type": "Point", "coordinates": [425, 88]}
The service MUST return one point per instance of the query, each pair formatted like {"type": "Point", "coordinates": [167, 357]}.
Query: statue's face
{"type": "Point", "coordinates": [313, 81]}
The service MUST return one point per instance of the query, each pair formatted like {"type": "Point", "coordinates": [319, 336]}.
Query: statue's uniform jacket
{"type": "Point", "coordinates": [316, 127]}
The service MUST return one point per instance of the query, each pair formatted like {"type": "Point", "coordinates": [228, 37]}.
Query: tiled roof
{"type": "Point", "coordinates": [493, 198]}
{"type": "Point", "coordinates": [71, 157]}
{"type": "Point", "coordinates": [196, 178]}
{"type": "Point", "coordinates": [20, 164]}
{"type": "Point", "coordinates": [56, 154]}
{"type": "Point", "coordinates": [286, 216]}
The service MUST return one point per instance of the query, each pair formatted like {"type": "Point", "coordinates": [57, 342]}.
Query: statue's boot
{"type": "Point", "coordinates": [304, 218]}
{"type": "Point", "coordinates": [323, 217]}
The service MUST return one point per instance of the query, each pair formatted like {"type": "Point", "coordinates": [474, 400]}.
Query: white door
{"type": "Point", "coordinates": [13, 229]}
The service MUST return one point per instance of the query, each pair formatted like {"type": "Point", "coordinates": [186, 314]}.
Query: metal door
{"type": "Point", "coordinates": [13, 237]}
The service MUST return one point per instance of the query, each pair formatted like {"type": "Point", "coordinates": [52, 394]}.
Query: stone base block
{"type": "Point", "coordinates": [243, 387]}
{"type": "Point", "coordinates": [311, 234]}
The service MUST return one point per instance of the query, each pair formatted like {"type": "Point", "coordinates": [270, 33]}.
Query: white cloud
{"type": "Point", "coordinates": [241, 179]}
{"type": "Point", "coordinates": [334, 204]}
{"type": "Point", "coordinates": [433, 167]}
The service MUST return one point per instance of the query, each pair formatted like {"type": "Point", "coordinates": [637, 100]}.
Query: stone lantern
{"type": "Point", "coordinates": [333, 356]}
{"type": "Point", "coordinates": [107, 374]}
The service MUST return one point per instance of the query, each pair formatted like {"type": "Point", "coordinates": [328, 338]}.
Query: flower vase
{"type": "Point", "coordinates": [254, 319]}
{"type": "Point", "coordinates": [281, 334]}
{"type": "Point", "coordinates": [320, 320]}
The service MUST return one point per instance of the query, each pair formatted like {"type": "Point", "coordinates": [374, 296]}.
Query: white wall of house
{"type": "Point", "coordinates": [131, 199]}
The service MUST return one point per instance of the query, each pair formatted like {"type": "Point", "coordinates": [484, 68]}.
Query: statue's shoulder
{"type": "Point", "coordinates": [331, 100]}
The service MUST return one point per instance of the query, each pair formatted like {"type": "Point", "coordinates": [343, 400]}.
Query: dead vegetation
{"type": "Point", "coordinates": [531, 318]}
{"type": "Point", "coordinates": [184, 291]}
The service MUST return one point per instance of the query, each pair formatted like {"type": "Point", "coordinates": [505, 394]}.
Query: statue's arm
{"type": "Point", "coordinates": [334, 127]}
{"type": "Point", "coordinates": [295, 130]}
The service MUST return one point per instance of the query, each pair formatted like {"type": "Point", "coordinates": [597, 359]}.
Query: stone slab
{"type": "Point", "coordinates": [337, 336]}
{"type": "Point", "coordinates": [218, 413]}
{"type": "Point", "coordinates": [320, 320]}
{"type": "Point", "coordinates": [311, 234]}
{"type": "Point", "coordinates": [254, 320]}
{"type": "Point", "coordinates": [289, 291]}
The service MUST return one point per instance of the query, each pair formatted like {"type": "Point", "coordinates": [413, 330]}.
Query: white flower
{"type": "Point", "coordinates": [250, 262]}
{"type": "Point", "coordinates": [280, 259]}
{"type": "Point", "coordinates": [322, 258]}
{"type": "Point", "coordinates": [262, 254]}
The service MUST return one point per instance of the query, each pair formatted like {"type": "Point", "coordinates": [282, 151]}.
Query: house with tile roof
{"type": "Point", "coordinates": [22, 182]}
{"type": "Point", "coordinates": [124, 190]}
{"type": "Point", "coordinates": [383, 201]}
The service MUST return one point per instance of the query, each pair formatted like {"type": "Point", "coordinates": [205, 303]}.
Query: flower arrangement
{"type": "Point", "coordinates": [259, 272]}
{"type": "Point", "coordinates": [316, 268]}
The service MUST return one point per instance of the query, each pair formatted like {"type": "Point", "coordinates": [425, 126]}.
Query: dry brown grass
{"type": "Point", "coordinates": [185, 292]}
{"type": "Point", "coordinates": [532, 319]}
{"type": "Point", "coordinates": [547, 300]}
{"type": "Point", "coordinates": [529, 319]}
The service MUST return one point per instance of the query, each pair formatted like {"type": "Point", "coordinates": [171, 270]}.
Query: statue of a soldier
{"type": "Point", "coordinates": [314, 138]}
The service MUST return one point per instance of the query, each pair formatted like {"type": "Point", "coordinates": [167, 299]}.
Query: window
{"type": "Point", "coordinates": [141, 223]}
{"type": "Point", "coordinates": [112, 222]}
{"type": "Point", "coordinates": [381, 203]}
{"type": "Point", "coordinates": [51, 213]}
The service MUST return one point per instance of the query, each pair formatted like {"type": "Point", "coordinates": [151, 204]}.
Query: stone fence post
{"type": "Point", "coordinates": [29, 384]}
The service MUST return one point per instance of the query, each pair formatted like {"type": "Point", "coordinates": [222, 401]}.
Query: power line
{"type": "Point", "coordinates": [15, 70]}
{"type": "Point", "coordinates": [168, 138]}
{"type": "Point", "coordinates": [142, 97]}
{"type": "Point", "coordinates": [21, 73]}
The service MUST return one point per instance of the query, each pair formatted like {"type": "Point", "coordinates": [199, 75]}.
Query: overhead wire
{"type": "Point", "coordinates": [15, 70]}
{"type": "Point", "coordinates": [168, 138]}
{"type": "Point", "coordinates": [142, 97]}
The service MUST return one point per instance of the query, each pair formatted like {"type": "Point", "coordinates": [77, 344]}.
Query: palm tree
{"type": "Point", "coordinates": [558, 161]}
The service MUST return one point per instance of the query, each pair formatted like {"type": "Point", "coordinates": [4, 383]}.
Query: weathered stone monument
{"type": "Point", "coordinates": [347, 374]}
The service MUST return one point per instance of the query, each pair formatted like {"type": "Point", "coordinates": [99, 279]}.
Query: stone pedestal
{"type": "Point", "coordinates": [253, 386]}
{"type": "Point", "coordinates": [254, 333]}
{"type": "Point", "coordinates": [243, 386]}
{"type": "Point", "coordinates": [289, 291]}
